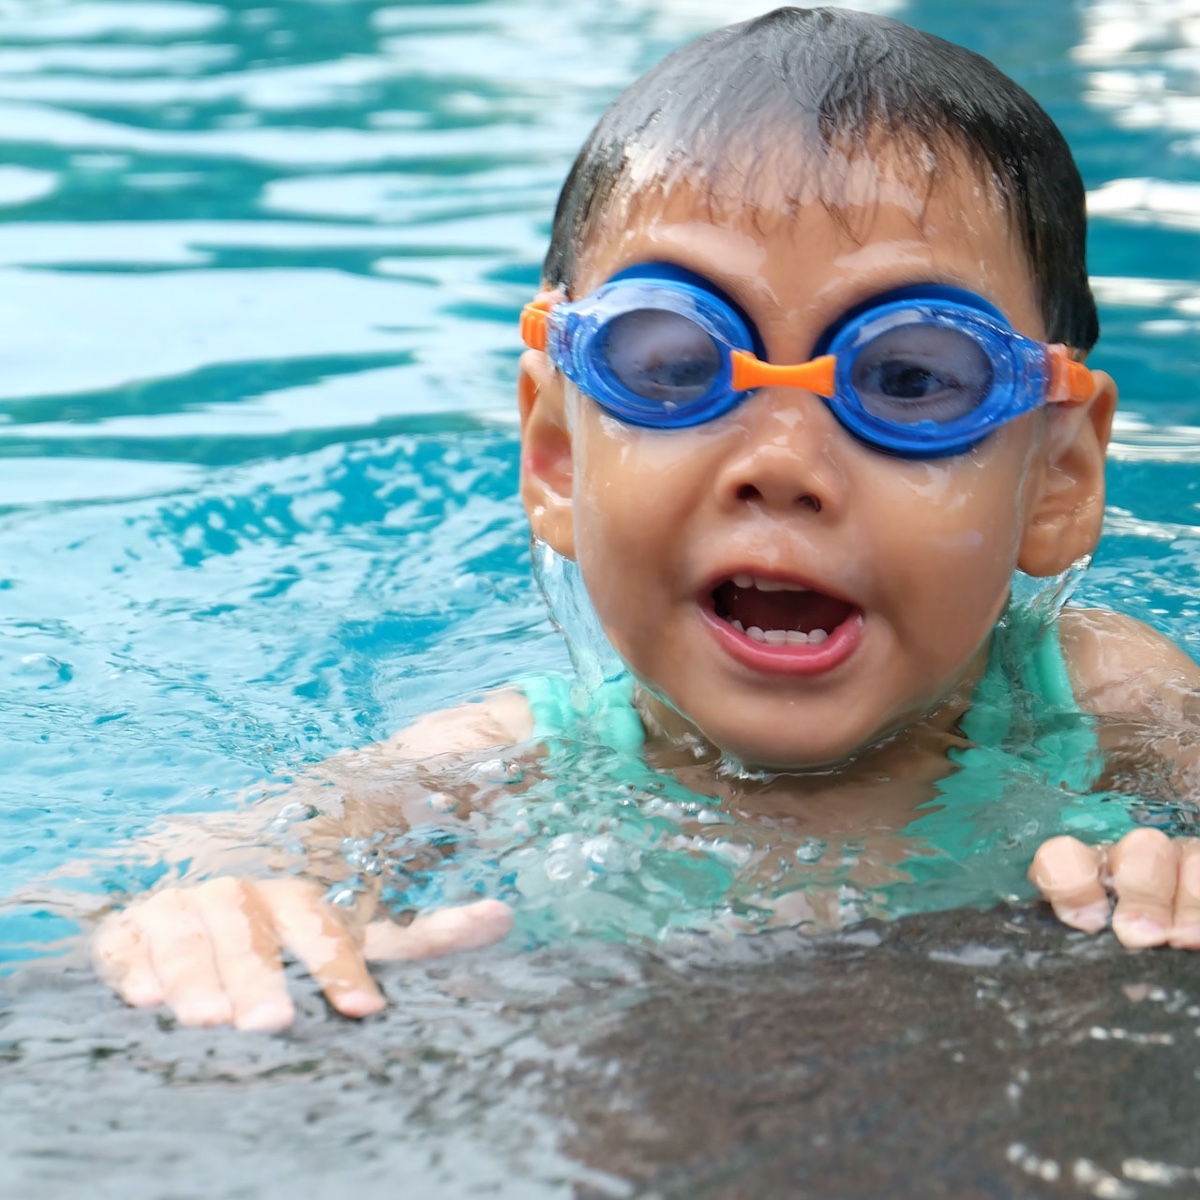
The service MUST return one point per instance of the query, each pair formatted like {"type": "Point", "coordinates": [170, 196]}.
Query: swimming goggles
{"type": "Point", "coordinates": [923, 371]}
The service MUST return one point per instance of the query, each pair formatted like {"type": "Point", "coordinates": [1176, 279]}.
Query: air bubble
{"type": "Point", "coordinates": [500, 771]}
{"type": "Point", "coordinates": [670, 810]}
{"type": "Point", "coordinates": [343, 895]}
{"type": "Point", "coordinates": [44, 670]}
{"type": "Point", "coordinates": [810, 850]}
{"type": "Point", "coordinates": [736, 854]}
{"type": "Point", "coordinates": [606, 855]}
{"type": "Point", "coordinates": [561, 867]}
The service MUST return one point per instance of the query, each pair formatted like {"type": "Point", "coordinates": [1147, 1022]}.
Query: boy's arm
{"type": "Point", "coordinates": [212, 952]}
{"type": "Point", "coordinates": [1124, 670]}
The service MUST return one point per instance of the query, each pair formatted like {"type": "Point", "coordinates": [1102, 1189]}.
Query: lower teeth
{"type": "Point", "coordinates": [782, 637]}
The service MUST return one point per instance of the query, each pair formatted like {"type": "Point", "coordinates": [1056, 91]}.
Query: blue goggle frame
{"type": "Point", "coordinates": [1016, 374]}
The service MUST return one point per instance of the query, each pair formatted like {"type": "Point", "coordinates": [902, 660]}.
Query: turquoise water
{"type": "Point", "coordinates": [259, 273]}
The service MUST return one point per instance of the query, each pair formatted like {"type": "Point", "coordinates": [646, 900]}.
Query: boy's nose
{"type": "Point", "coordinates": [786, 456]}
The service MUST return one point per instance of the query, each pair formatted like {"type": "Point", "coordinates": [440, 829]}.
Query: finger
{"type": "Point", "coordinates": [1185, 929]}
{"type": "Point", "coordinates": [123, 961]}
{"type": "Point", "coordinates": [1145, 873]}
{"type": "Point", "coordinates": [181, 954]}
{"type": "Point", "coordinates": [308, 927]}
{"type": "Point", "coordinates": [246, 953]}
{"type": "Point", "coordinates": [440, 932]}
{"type": "Point", "coordinates": [1070, 876]}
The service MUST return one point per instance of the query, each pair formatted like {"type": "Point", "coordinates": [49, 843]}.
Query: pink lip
{"type": "Point", "coordinates": [787, 660]}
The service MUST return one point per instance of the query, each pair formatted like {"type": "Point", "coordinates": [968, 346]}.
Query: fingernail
{"type": "Point", "coordinates": [1185, 937]}
{"type": "Point", "coordinates": [214, 1011]}
{"type": "Point", "coordinates": [142, 995]}
{"type": "Point", "coordinates": [1138, 931]}
{"type": "Point", "coordinates": [268, 1016]}
{"type": "Point", "coordinates": [360, 1003]}
{"type": "Point", "coordinates": [1091, 918]}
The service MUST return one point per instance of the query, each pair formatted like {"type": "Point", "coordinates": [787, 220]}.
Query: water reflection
{"type": "Point", "coordinates": [1141, 64]}
{"type": "Point", "coordinates": [259, 267]}
{"type": "Point", "coordinates": [420, 146]}
{"type": "Point", "coordinates": [99, 18]}
{"type": "Point", "coordinates": [1149, 201]}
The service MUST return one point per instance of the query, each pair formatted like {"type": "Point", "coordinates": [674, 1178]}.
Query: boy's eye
{"type": "Point", "coordinates": [661, 355]}
{"type": "Point", "coordinates": [921, 373]}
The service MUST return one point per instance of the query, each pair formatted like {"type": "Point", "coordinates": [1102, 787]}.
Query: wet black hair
{"type": "Point", "coordinates": [796, 82]}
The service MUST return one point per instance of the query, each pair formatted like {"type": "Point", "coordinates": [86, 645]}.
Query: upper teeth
{"type": "Point", "coordinates": [765, 585]}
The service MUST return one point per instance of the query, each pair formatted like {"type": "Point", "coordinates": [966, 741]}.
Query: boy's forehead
{"type": "Point", "coordinates": [755, 201]}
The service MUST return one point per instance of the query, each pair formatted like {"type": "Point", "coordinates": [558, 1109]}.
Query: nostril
{"type": "Point", "coordinates": [747, 492]}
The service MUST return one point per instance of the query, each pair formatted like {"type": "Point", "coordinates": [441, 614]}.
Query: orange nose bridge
{"type": "Point", "coordinates": [749, 372]}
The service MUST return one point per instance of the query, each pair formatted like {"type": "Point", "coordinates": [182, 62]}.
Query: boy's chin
{"type": "Point", "coordinates": [753, 750]}
{"type": "Point", "coordinates": [795, 745]}
{"type": "Point", "coordinates": [786, 762]}
{"type": "Point", "coordinates": [787, 755]}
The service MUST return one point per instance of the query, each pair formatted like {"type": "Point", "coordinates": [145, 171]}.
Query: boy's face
{"type": "Point", "coordinates": [910, 559]}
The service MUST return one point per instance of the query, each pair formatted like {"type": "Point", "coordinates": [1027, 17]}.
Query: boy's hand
{"type": "Point", "coordinates": [1155, 879]}
{"type": "Point", "coordinates": [212, 953]}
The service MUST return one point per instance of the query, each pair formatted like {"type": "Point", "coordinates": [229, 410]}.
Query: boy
{"type": "Point", "coordinates": [805, 387]}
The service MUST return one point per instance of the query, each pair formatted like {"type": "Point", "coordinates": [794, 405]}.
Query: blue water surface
{"type": "Point", "coordinates": [259, 274]}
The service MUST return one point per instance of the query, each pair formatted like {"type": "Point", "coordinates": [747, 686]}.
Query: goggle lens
{"type": "Point", "coordinates": [921, 372]}
{"type": "Point", "coordinates": [661, 357]}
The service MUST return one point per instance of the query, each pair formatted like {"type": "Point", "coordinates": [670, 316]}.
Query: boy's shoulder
{"type": "Point", "coordinates": [1120, 666]}
{"type": "Point", "coordinates": [500, 718]}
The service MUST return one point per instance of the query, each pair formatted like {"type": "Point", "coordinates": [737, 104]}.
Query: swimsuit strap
{"type": "Point", "coordinates": [560, 704]}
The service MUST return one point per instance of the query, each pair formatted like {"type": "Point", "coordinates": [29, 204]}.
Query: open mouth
{"type": "Point", "coordinates": [778, 614]}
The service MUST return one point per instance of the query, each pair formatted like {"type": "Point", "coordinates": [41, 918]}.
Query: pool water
{"type": "Point", "coordinates": [259, 273]}
{"type": "Point", "coordinates": [261, 268]}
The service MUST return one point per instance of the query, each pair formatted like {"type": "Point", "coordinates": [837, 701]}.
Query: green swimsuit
{"type": "Point", "coordinates": [1029, 772]}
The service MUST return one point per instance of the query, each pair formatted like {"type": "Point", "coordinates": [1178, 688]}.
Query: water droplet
{"type": "Point", "coordinates": [607, 855]}
{"type": "Point", "coordinates": [656, 806]}
{"type": "Point", "coordinates": [343, 895]}
{"type": "Point", "coordinates": [297, 811]}
{"type": "Point", "coordinates": [44, 671]}
{"type": "Point", "coordinates": [737, 854]}
{"type": "Point", "coordinates": [500, 771]}
{"type": "Point", "coordinates": [561, 867]}
{"type": "Point", "coordinates": [810, 850]}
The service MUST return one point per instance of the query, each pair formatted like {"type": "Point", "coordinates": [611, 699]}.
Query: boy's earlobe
{"type": "Point", "coordinates": [547, 470]}
{"type": "Point", "coordinates": [1067, 512]}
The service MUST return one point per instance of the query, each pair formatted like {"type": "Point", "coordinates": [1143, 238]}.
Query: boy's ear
{"type": "Point", "coordinates": [547, 471]}
{"type": "Point", "coordinates": [1066, 512]}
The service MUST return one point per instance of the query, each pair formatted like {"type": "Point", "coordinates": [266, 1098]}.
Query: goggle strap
{"type": "Point", "coordinates": [534, 318]}
{"type": "Point", "coordinates": [1070, 381]}
{"type": "Point", "coordinates": [748, 372]}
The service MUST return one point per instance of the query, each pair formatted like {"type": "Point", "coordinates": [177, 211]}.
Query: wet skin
{"type": "Point", "coordinates": [917, 557]}
{"type": "Point", "coordinates": [921, 552]}
{"type": "Point", "coordinates": [918, 553]}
